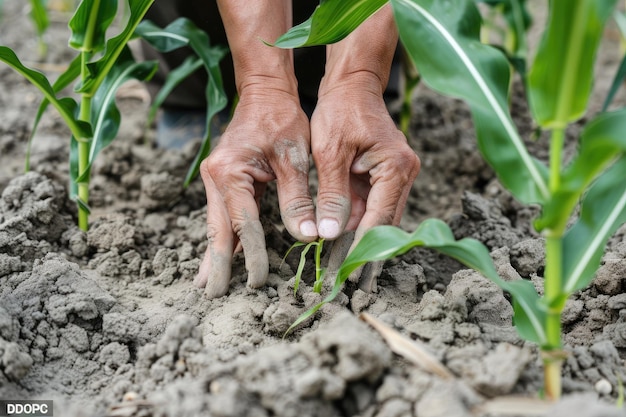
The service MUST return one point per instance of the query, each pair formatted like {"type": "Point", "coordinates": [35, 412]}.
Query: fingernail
{"type": "Point", "coordinates": [328, 229]}
{"type": "Point", "coordinates": [308, 228]}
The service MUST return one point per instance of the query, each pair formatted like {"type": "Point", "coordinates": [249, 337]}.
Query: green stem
{"type": "Point", "coordinates": [556, 152]}
{"type": "Point", "coordinates": [553, 290]}
{"type": "Point", "coordinates": [317, 287]}
{"type": "Point", "coordinates": [552, 367]}
{"type": "Point", "coordinates": [84, 144]}
{"type": "Point", "coordinates": [553, 283]}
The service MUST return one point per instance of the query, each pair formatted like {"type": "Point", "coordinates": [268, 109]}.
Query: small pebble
{"type": "Point", "coordinates": [130, 396]}
{"type": "Point", "coordinates": [603, 387]}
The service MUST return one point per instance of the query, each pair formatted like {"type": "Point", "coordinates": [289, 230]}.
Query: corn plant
{"type": "Point", "coordinates": [442, 39]}
{"type": "Point", "coordinates": [317, 257]}
{"type": "Point", "coordinates": [101, 67]}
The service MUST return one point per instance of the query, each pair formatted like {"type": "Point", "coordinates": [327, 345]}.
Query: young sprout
{"type": "Point", "coordinates": [319, 271]}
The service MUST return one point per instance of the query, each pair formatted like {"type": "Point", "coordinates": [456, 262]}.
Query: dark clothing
{"type": "Point", "coordinates": [309, 62]}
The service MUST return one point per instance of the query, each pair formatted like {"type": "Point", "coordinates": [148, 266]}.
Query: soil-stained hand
{"type": "Point", "coordinates": [267, 139]}
{"type": "Point", "coordinates": [365, 166]}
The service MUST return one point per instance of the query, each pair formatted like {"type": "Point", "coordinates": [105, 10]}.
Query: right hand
{"type": "Point", "coordinates": [268, 138]}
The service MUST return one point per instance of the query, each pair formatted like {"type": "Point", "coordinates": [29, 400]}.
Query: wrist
{"type": "Point", "coordinates": [364, 57]}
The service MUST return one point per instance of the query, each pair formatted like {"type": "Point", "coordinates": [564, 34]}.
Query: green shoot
{"type": "Point", "coordinates": [39, 16]}
{"type": "Point", "coordinates": [318, 244]}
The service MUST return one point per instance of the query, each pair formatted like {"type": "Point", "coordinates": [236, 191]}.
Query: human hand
{"type": "Point", "coordinates": [267, 139]}
{"type": "Point", "coordinates": [365, 166]}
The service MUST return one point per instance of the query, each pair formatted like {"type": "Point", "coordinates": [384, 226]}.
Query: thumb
{"type": "Point", "coordinates": [333, 196]}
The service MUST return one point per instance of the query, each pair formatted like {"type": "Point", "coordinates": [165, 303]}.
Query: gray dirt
{"type": "Point", "coordinates": [108, 322]}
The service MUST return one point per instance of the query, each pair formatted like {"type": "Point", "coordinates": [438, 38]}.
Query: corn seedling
{"type": "Point", "coordinates": [101, 67]}
{"type": "Point", "coordinates": [443, 40]}
{"type": "Point", "coordinates": [317, 257]}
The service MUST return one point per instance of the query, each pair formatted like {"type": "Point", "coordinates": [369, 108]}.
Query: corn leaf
{"type": "Point", "coordinates": [173, 79]}
{"type": "Point", "coordinates": [165, 39]}
{"type": "Point", "coordinates": [105, 115]}
{"type": "Point", "coordinates": [601, 142]}
{"type": "Point", "coordinates": [65, 106]}
{"type": "Point", "coordinates": [114, 47]}
{"type": "Point", "coordinates": [89, 24]}
{"type": "Point", "coordinates": [68, 76]}
{"type": "Point", "coordinates": [618, 80]}
{"type": "Point", "coordinates": [603, 210]}
{"type": "Point", "coordinates": [39, 15]}
{"type": "Point", "coordinates": [465, 68]}
{"type": "Point", "coordinates": [183, 32]}
{"type": "Point", "coordinates": [331, 21]}
{"type": "Point", "coordinates": [561, 77]}
{"type": "Point", "coordinates": [518, 19]}
{"type": "Point", "coordinates": [385, 242]}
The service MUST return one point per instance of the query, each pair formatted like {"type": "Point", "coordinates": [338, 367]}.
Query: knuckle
{"type": "Point", "coordinates": [297, 207]}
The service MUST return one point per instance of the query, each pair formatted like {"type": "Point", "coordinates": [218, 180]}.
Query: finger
{"type": "Point", "coordinates": [215, 269]}
{"type": "Point", "coordinates": [333, 195]}
{"type": "Point", "coordinates": [391, 181]}
{"type": "Point", "coordinates": [338, 253]}
{"type": "Point", "coordinates": [292, 179]}
{"type": "Point", "coordinates": [368, 276]}
{"type": "Point", "coordinates": [239, 191]}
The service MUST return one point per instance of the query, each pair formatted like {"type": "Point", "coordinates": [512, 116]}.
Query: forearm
{"type": "Point", "coordinates": [364, 57]}
{"type": "Point", "coordinates": [247, 25]}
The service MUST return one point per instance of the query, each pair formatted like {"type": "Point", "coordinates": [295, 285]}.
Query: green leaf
{"type": "Point", "coordinates": [168, 39]}
{"type": "Point", "coordinates": [114, 47]}
{"type": "Point", "coordinates": [561, 77]}
{"type": "Point", "coordinates": [68, 76]}
{"type": "Point", "coordinates": [174, 78]}
{"type": "Point", "coordinates": [385, 242]}
{"type": "Point", "coordinates": [518, 20]}
{"type": "Point", "coordinates": [331, 21]}
{"type": "Point", "coordinates": [601, 142]}
{"type": "Point", "coordinates": [39, 15]}
{"type": "Point", "coordinates": [618, 80]}
{"type": "Point", "coordinates": [463, 67]}
{"type": "Point", "coordinates": [89, 24]}
{"type": "Point", "coordinates": [603, 210]}
{"type": "Point", "coordinates": [301, 265]}
{"type": "Point", "coordinates": [529, 317]}
{"type": "Point", "coordinates": [183, 32]}
{"type": "Point", "coordinates": [105, 115]}
{"type": "Point", "coordinates": [65, 106]}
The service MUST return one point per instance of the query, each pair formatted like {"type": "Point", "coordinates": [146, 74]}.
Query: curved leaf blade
{"type": "Point", "coordinates": [561, 77]}
{"type": "Point", "coordinates": [603, 210]}
{"type": "Point", "coordinates": [618, 80]}
{"type": "Point", "coordinates": [114, 47]}
{"type": "Point", "coordinates": [164, 40]}
{"type": "Point", "coordinates": [69, 75]}
{"type": "Point", "coordinates": [465, 68]}
{"type": "Point", "coordinates": [89, 24]}
{"type": "Point", "coordinates": [601, 142]}
{"type": "Point", "coordinates": [173, 79]}
{"type": "Point", "coordinates": [385, 242]}
{"type": "Point", "coordinates": [65, 106]}
{"type": "Point", "coordinates": [331, 21]}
